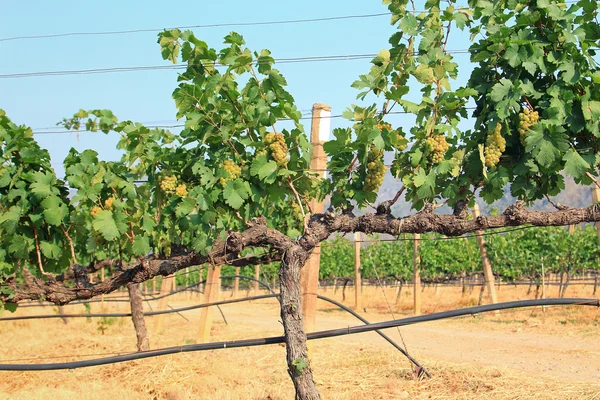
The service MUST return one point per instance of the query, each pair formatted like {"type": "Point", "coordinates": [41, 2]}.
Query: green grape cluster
{"type": "Point", "coordinates": [260, 152]}
{"type": "Point", "coordinates": [494, 146]}
{"type": "Point", "coordinates": [438, 146]}
{"type": "Point", "coordinates": [94, 211]}
{"type": "Point", "coordinates": [277, 147]}
{"type": "Point", "coordinates": [108, 204]}
{"type": "Point", "coordinates": [297, 211]}
{"type": "Point", "coordinates": [169, 184]}
{"type": "Point", "coordinates": [181, 190]}
{"type": "Point", "coordinates": [527, 119]}
{"type": "Point", "coordinates": [375, 170]}
{"type": "Point", "coordinates": [232, 169]}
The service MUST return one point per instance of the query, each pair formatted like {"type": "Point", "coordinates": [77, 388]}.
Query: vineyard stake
{"type": "Point", "coordinates": [357, 278]}
{"type": "Point", "coordinates": [487, 267]}
{"type": "Point", "coordinates": [416, 275]}
{"type": "Point", "coordinates": [309, 276]}
{"type": "Point", "coordinates": [211, 294]}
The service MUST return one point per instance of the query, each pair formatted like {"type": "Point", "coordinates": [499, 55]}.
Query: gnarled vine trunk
{"type": "Point", "coordinates": [291, 315]}
{"type": "Point", "coordinates": [137, 316]}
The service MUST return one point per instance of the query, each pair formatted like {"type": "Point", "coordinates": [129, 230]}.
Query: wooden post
{"type": "Point", "coordinates": [102, 297]}
{"type": "Point", "coordinates": [487, 267]}
{"type": "Point", "coordinates": [596, 199]}
{"type": "Point", "coordinates": [236, 282]}
{"type": "Point", "coordinates": [417, 274]}
{"type": "Point", "coordinates": [256, 277]}
{"type": "Point", "coordinates": [211, 294]}
{"type": "Point", "coordinates": [357, 278]}
{"type": "Point", "coordinates": [165, 287]}
{"type": "Point", "coordinates": [309, 277]}
{"type": "Point", "coordinates": [543, 284]}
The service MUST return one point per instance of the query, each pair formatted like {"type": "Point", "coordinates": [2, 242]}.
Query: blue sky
{"type": "Point", "coordinates": [41, 102]}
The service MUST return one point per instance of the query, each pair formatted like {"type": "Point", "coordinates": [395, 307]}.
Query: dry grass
{"type": "Point", "coordinates": [343, 369]}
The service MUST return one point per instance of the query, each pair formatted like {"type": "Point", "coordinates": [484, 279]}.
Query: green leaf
{"type": "Point", "coordinates": [264, 169]}
{"type": "Point", "coordinates": [141, 245]}
{"type": "Point", "coordinates": [55, 210]}
{"type": "Point", "coordinates": [501, 90]}
{"type": "Point", "coordinates": [424, 74]}
{"type": "Point", "coordinates": [42, 185]}
{"type": "Point", "coordinates": [235, 193]}
{"type": "Point", "coordinates": [50, 250]}
{"type": "Point", "coordinates": [104, 223]}
{"type": "Point", "coordinates": [575, 165]}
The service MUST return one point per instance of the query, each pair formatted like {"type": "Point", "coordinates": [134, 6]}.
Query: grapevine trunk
{"type": "Point", "coordinates": [291, 315]}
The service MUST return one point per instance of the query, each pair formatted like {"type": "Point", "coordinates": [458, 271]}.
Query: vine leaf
{"type": "Point", "coordinates": [104, 223]}
{"type": "Point", "coordinates": [235, 193]}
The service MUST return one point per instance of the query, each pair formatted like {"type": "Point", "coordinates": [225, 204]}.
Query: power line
{"type": "Point", "coordinates": [289, 60]}
{"type": "Point", "coordinates": [175, 125]}
{"type": "Point", "coordinates": [220, 25]}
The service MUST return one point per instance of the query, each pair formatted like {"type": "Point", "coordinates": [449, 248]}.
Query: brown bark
{"type": "Point", "coordinates": [137, 316]}
{"type": "Point", "coordinates": [291, 316]}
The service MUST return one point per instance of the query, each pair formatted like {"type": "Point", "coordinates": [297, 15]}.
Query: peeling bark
{"type": "Point", "coordinates": [137, 316]}
{"type": "Point", "coordinates": [291, 315]}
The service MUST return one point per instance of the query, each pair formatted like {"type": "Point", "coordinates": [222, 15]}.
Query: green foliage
{"type": "Point", "coordinates": [538, 56]}
{"type": "Point", "coordinates": [514, 255]}
{"type": "Point", "coordinates": [233, 161]}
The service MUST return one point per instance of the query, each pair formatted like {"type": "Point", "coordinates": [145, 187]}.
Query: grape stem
{"type": "Point", "coordinates": [293, 189]}
{"type": "Point", "coordinates": [593, 179]}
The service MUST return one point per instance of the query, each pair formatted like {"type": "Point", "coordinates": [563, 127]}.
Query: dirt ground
{"type": "Point", "coordinates": [525, 354]}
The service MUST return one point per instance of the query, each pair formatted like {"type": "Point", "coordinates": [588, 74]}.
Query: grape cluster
{"type": "Point", "coordinates": [277, 147]}
{"type": "Point", "coordinates": [169, 184]}
{"type": "Point", "coordinates": [438, 146]}
{"type": "Point", "coordinates": [375, 170]}
{"type": "Point", "coordinates": [94, 211]}
{"type": "Point", "coordinates": [181, 190]}
{"type": "Point", "coordinates": [108, 204]}
{"type": "Point", "coordinates": [297, 211]}
{"type": "Point", "coordinates": [232, 169]}
{"type": "Point", "coordinates": [494, 146]}
{"type": "Point", "coordinates": [260, 152]}
{"type": "Point", "coordinates": [527, 119]}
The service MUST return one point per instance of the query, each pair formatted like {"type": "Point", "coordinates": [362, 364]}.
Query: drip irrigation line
{"type": "Point", "coordinates": [272, 295]}
{"type": "Point", "coordinates": [420, 368]}
{"type": "Point", "coordinates": [146, 314]}
{"type": "Point", "coordinates": [310, 336]}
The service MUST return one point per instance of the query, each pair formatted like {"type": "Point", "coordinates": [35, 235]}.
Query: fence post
{"type": "Point", "coordinates": [357, 278]}
{"type": "Point", "coordinates": [165, 287]}
{"type": "Point", "coordinates": [309, 277]}
{"type": "Point", "coordinates": [596, 199]}
{"type": "Point", "coordinates": [257, 278]}
{"type": "Point", "coordinates": [487, 267]}
{"type": "Point", "coordinates": [211, 294]}
{"type": "Point", "coordinates": [417, 274]}
{"type": "Point", "coordinates": [236, 282]}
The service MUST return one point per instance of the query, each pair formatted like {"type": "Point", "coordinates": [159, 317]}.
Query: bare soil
{"type": "Point", "coordinates": [526, 354]}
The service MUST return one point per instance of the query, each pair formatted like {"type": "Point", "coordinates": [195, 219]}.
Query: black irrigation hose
{"type": "Point", "coordinates": [420, 368]}
{"type": "Point", "coordinates": [146, 314]}
{"type": "Point", "coordinates": [273, 294]}
{"type": "Point", "coordinates": [118, 300]}
{"type": "Point", "coordinates": [311, 336]}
